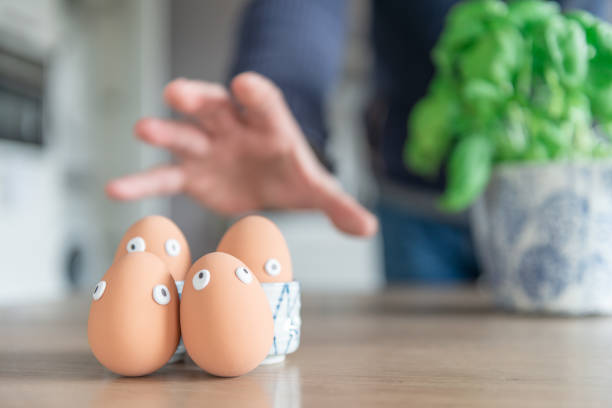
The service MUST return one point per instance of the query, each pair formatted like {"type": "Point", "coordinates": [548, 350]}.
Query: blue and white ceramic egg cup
{"type": "Point", "coordinates": [285, 302]}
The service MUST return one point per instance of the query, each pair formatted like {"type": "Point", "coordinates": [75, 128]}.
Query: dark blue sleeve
{"type": "Point", "coordinates": [298, 45]}
{"type": "Point", "coordinates": [600, 8]}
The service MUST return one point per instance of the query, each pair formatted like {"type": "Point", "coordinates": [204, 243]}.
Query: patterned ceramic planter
{"type": "Point", "coordinates": [543, 234]}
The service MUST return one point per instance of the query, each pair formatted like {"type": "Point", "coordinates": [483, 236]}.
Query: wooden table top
{"type": "Point", "coordinates": [417, 347]}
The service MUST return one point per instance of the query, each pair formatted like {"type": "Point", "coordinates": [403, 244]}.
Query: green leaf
{"type": "Point", "coordinates": [465, 23]}
{"type": "Point", "coordinates": [567, 47]}
{"type": "Point", "coordinates": [494, 57]}
{"type": "Point", "coordinates": [430, 131]}
{"type": "Point", "coordinates": [483, 98]}
{"type": "Point", "coordinates": [468, 172]}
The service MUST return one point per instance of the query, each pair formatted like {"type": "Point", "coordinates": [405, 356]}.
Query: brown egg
{"type": "Point", "coordinates": [226, 320]}
{"type": "Point", "coordinates": [133, 326]}
{"type": "Point", "coordinates": [160, 236]}
{"type": "Point", "coordinates": [258, 242]}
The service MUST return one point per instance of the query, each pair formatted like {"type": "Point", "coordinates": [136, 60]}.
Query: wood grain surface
{"type": "Point", "coordinates": [404, 347]}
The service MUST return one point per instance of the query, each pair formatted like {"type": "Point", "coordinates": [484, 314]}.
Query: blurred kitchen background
{"type": "Point", "coordinates": [74, 77]}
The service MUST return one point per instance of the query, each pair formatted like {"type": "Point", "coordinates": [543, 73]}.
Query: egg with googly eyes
{"type": "Point", "coordinates": [226, 321]}
{"type": "Point", "coordinates": [259, 243]}
{"type": "Point", "coordinates": [162, 237]}
{"type": "Point", "coordinates": [133, 326]}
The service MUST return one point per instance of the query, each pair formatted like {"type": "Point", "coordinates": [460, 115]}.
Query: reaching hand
{"type": "Point", "coordinates": [237, 157]}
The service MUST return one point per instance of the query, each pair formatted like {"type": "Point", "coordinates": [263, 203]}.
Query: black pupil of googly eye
{"type": "Point", "coordinates": [201, 275]}
{"type": "Point", "coordinates": [133, 246]}
{"type": "Point", "coordinates": [164, 293]}
{"type": "Point", "coordinates": [96, 288]}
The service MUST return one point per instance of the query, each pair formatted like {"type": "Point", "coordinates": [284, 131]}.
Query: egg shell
{"type": "Point", "coordinates": [255, 240]}
{"type": "Point", "coordinates": [128, 331]}
{"type": "Point", "coordinates": [156, 230]}
{"type": "Point", "coordinates": [227, 326]}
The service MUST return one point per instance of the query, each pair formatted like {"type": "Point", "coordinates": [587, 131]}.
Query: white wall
{"type": "Point", "coordinates": [107, 64]}
{"type": "Point", "coordinates": [30, 233]}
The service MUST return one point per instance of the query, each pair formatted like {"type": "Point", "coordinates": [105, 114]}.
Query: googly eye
{"type": "Point", "coordinates": [201, 279]}
{"type": "Point", "coordinates": [161, 295]}
{"type": "Point", "coordinates": [173, 248]}
{"type": "Point", "coordinates": [272, 267]}
{"type": "Point", "coordinates": [244, 274]}
{"type": "Point", "coordinates": [98, 290]}
{"type": "Point", "coordinates": [136, 244]}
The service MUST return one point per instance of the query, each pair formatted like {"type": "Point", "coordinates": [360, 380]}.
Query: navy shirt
{"type": "Point", "coordinates": [299, 45]}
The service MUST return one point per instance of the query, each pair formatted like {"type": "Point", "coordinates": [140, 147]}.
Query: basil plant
{"type": "Point", "coordinates": [514, 82]}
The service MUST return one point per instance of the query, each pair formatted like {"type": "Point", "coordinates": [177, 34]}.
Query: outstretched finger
{"type": "Point", "coordinates": [208, 102]}
{"type": "Point", "coordinates": [181, 138]}
{"type": "Point", "coordinates": [163, 180]}
{"type": "Point", "coordinates": [347, 214]}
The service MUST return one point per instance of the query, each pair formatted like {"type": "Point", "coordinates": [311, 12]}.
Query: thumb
{"type": "Point", "coordinates": [347, 214]}
{"type": "Point", "coordinates": [264, 103]}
